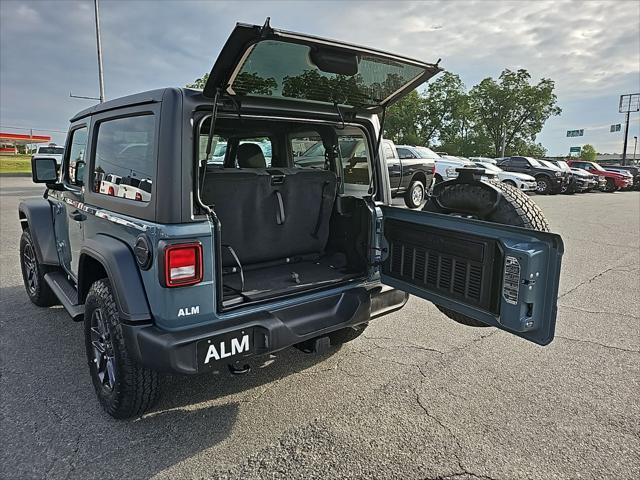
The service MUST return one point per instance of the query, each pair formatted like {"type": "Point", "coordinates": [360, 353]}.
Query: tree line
{"type": "Point", "coordinates": [494, 118]}
{"type": "Point", "coordinates": [497, 117]}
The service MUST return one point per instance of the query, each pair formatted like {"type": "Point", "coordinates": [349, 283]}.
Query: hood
{"type": "Point", "coordinates": [276, 65]}
{"type": "Point", "coordinates": [521, 176]}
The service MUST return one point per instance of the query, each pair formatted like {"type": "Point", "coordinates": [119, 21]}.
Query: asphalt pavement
{"type": "Point", "coordinates": [418, 397]}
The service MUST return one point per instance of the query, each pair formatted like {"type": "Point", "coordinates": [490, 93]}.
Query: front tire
{"type": "Point", "coordinates": [544, 186]}
{"type": "Point", "coordinates": [611, 186]}
{"type": "Point", "coordinates": [33, 273]}
{"type": "Point", "coordinates": [515, 208]}
{"type": "Point", "coordinates": [124, 388]}
{"type": "Point", "coordinates": [415, 194]}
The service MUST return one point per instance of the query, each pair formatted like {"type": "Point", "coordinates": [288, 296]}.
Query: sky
{"type": "Point", "coordinates": [590, 49]}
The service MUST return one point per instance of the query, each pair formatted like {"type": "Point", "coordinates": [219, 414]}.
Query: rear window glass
{"type": "Point", "coordinates": [51, 150]}
{"type": "Point", "coordinates": [124, 158]}
{"type": "Point", "coordinates": [274, 68]}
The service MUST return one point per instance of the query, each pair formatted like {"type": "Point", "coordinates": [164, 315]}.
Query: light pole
{"type": "Point", "coordinates": [635, 144]}
{"type": "Point", "coordinates": [99, 46]}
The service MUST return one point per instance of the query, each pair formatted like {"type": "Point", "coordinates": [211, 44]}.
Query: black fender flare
{"type": "Point", "coordinates": [38, 215]}
{"type": "Point", "coordinates": [123, 272]}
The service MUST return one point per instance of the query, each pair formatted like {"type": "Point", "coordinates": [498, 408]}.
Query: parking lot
{"type": "Point", "coordinates": [418, 396]}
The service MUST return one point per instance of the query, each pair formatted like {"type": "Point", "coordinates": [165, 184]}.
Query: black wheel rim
{"type": "Point", "coordinates": [103, 357]}
{"type": "Point", "coordinates": [30, 269]}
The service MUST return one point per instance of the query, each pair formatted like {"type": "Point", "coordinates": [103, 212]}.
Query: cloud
{"type": "Point", "coordinates": [47, 48]}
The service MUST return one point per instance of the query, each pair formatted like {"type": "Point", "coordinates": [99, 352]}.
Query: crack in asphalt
{"type": "Point", "coordinates": [589, 280]}
{"type": "Point", "coordinates": [461, 476]}
{"type": "Point", "coordinates": [605, 312]}
{"type": "Point", "coordinates": [628, 350]}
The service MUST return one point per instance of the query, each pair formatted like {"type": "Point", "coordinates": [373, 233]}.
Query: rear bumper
{"type": "Point", "coordinates": [176, 352]}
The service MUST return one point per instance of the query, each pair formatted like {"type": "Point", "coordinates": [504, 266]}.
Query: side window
{"type": "Point", "coordinates": [404, 153]}
{"type": "Point", "coordinates": [75, 163]}
{"type": "Point", "coordinates": [218, 148]}
{"type": "Point", "coordinates": [124, 158]}
{"type": "Point", "coordinates": [265, 145]}
{"type": "Point", "coordinates": [308, 152]}
{"type": "Point", "coordinates": [519, 162]}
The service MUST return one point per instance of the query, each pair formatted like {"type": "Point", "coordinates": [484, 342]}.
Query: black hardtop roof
{"type": "Point", "coordinates": [150, 96]}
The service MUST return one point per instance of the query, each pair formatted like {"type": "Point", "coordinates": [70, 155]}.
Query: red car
{"type": "Point", "coordinates": [615, 181]}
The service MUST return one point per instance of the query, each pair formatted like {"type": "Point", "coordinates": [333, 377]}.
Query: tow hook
{"type": "Point", "coordinates": [319, 345]}
{"type": "Point", "coordinates": [236, 370]}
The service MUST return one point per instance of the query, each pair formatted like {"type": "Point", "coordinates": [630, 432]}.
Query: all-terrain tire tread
{"type": "Point", "coordinates": [137, 388]}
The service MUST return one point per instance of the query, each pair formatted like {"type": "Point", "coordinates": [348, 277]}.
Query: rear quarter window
{"type": "Point", "coordinates": [124, 157]}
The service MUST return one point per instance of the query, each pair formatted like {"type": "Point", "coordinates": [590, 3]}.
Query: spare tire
{"type": "Point", "coordinates": [470, 200]}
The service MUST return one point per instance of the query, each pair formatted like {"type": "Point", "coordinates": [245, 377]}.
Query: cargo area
{"type": "Point", "coordinates": [288, 200]}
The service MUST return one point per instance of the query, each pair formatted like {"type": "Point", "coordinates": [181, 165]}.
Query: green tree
{"type": "Point", "coordinates": [199, 83]}
{"type": "Point", "coordinates": [588, 153]}
{"type": "Point", "coordinates": [401, 122]}
{"type": "Point", "coordinates": [512, 110]}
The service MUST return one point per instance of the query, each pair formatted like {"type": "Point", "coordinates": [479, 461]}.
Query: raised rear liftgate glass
{"type": "Point", "coordinates": [278, 69]}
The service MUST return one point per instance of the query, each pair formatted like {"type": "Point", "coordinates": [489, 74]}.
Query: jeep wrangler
{"type": "Point", "coordinates": [188, 230]}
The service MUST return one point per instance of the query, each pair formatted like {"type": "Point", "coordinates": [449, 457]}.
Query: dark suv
{"type": "Point", "coordinates": [253, 252]}
{"type": "Point", "coordinates": [549, 180]}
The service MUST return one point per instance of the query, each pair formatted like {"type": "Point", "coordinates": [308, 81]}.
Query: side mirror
{"type": "Point", "coordinates": [79, 173]}
{"type": "Point", "coordinates": [44, 170]}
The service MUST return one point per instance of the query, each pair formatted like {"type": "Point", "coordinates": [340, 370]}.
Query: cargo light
{"type": "Point", "coordinates": [183, 264]}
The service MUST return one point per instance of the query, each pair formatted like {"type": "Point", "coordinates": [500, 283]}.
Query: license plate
{"type": "Point", "coordinates": [227, 347]}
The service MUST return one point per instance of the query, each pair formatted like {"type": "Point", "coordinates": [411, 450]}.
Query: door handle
{"type": "Point", "coordinates": [77, 215]}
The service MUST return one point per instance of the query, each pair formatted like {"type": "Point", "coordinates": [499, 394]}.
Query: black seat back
{"type": "Point", "coordinates": [271, 214]}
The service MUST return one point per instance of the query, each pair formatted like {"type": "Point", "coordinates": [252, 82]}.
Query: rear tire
{"type": "Point", "coordinates": [515, 208]}
{"type": "Point", "coordinates": [415, 194]}
{"type": "Point", "coordinates": [611, 186]}
{"type": "Point", "coordinates": [33, 273]}
{"type": "Point", "coordinates": [124, 388]}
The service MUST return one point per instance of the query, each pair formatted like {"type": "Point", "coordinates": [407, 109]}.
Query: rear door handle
{"type": "Point", "coordinates": [77, 215]}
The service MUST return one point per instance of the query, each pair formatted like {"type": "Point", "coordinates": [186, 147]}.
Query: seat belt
{"type": "Point", "coordinates": [237, 260]}
{"type": "Point", "coordinates": [314, 234]}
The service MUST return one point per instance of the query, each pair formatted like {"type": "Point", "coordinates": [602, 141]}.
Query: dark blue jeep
{"type": "Point", "coordinates": [188, 230]}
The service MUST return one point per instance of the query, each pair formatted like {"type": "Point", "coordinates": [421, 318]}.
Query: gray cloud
{"type": "Point", "coordinates": [47, 48]}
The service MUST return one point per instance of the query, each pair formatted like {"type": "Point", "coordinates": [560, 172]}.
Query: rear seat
{"type": "Point", "coordinates": [270, 214]}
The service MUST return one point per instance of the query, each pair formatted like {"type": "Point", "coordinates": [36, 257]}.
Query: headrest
{"type": "Point", "coordinates": [250, 156]}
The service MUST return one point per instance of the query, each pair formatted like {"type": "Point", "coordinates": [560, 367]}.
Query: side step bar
{"type": "Point", "coordinates": [66, 293]}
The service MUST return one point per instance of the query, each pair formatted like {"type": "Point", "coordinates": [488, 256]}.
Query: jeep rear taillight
{"type": "Point", "coordinates": [183, 264]}
{"type": "Point", "coordinates": [138, 197]}
{"type": "Point", "coordinates": [111, 191]}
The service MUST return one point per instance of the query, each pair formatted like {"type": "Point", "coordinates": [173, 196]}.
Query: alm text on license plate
{"type": "Point", "coordinates": [224, 347]}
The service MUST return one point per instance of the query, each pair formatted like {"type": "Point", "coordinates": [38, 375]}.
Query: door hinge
{"type": "Point", "coordinates": [60, 246]}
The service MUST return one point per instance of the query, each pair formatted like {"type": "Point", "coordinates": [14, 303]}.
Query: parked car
{"type": "Point", "coordinates": [138, 189]}
{"type": "Point", "coordinates": [410, 171]}
{"type": "Point", "coordinates": [109, 184]}
{"type": "Point", "coordinates": [584, 181]}
{"type": "Point", "coordinates": [492, 161]}
{"type": "Point", "coordinates": [614, 180]}
{"type": "Point", "coordinates": [633, 171]}
{"type": "Point", "coordinates": [222, 263]}
{"type": "Point", "coordinates": [524, 182]}
{"type": "Point", "coordinates": [574, 183]}
{"type": "Point", "coordinates": [446, 168]}
{"type": "Point", "coordinates": [548, 179]}
{"type": "Point", "coordinates": [51, 150]}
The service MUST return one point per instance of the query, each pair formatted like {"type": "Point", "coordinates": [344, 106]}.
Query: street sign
{"type": "Point", "coordinates": [615, 128]}
{"type": "Point", "coordinates": [575, 133]}
{"type": "Point", "coordinates": [575, 149]}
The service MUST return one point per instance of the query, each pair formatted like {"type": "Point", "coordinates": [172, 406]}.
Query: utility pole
{"type": "Point", "coordinates": [99, 46]}
{"type": "Point", "coordinates": [635, 145]}
{"type": "Point", "coordinates": [626, 134]}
